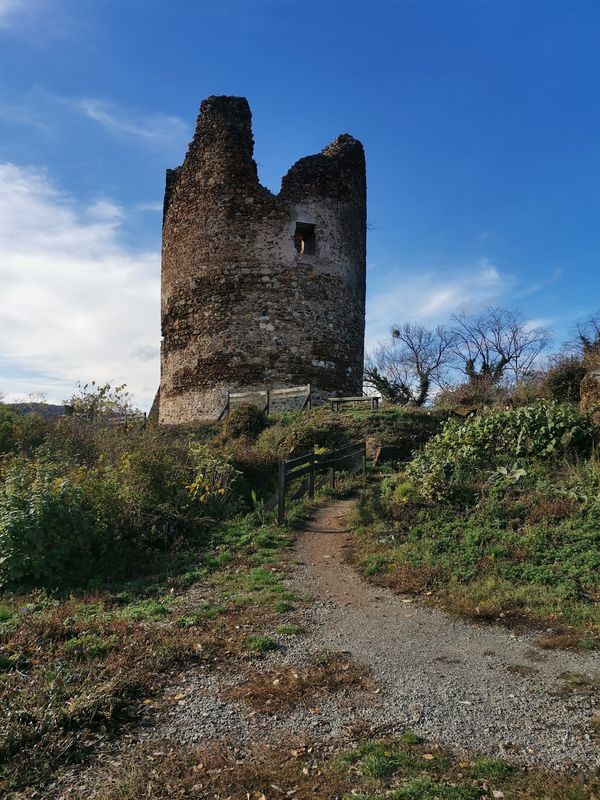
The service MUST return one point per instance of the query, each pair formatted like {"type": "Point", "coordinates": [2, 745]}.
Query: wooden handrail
{"type": "Point", "coordinates": [307, 465]}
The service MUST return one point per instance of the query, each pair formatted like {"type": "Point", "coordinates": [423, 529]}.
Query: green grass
{"type": "Point", "coordinates": [408, 737]}
{"type": "Point", "coordinates": [403, 428]}
{"type": "Point", "coordinates": [409, 768]}
{"type": "Point", "coordinates": [145, 610]}
{"type": "Point", "coordinates": [88, 645]}
{"type": "Point", "coordinates": [491, 769]}
{"type": "Point", "coordinates": [283, 606]}
{"type": "Point", "coordinates": [378, 770]}
{"type": "Point", "coordinates": [424, 788]}
{"type": "Point", "coordinates": [289, 630]}
{"type": "Point", "coordinates": [206, 611]}
{"type": "Point", "coordinates": [381, 761]}
{"type": "Point", "coordinates": [522, 552]}
{"type": "Point", "coordinates": [258, 643]}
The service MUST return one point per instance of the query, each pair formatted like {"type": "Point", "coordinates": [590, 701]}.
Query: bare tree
{"type": "Point", "coordinates": [405, 368]}
{"type": "Point", "coordinates": [489, 347]}
{"type": "Point", "coordinates": [585, 343]}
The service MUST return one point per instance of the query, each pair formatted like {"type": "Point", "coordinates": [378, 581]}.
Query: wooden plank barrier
{"type": "Point", "coordinates": [264, 397]}
{"type": "Point", "coordinates": [127, 420]}
{"type": "Point", "coordinates": [307, 466]}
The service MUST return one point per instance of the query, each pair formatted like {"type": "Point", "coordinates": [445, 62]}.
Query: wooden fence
{"type": "Point", "coordinates": [137, 420]}
{"type": "Point", "coordinates": [308, 466]}
{"type": "Point", "coordinates": [264, 397]}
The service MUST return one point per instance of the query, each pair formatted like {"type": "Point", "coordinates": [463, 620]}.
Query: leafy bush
{"type": "Point", "coordinates": [245, 420]}
{"type": "Point", "coordinates": [507, 545]}
{"type": "Point", "coordinates": [7, 423]}
{"type": "Point", "coordinates": [562, 381]}
{"type": "Point", "coordinates": [214, 477]}
{"type": "Point", "coordinates": [20, 431]}
{"type": "Point", "coordinates": [46, 530]}
{"type": "Point", "coordinates": [95, 400]}
{"type": "Point", "coordinates": [471, 395]}
{"type": "Point", "coordinates": [64, 520]}
{"type": "Point", "coordinates": [298, 433]}
{"type": "Point", "coordinates": [499, 438]}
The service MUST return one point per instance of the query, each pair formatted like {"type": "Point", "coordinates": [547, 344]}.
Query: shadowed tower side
{"type": "Point", "coordinates": [259, 290]}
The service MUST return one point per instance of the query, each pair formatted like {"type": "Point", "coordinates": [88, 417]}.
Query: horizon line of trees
{"type": "Point", "coordinates": [475, 357]}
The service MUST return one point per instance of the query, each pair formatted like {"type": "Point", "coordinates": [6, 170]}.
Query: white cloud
{"type": "Point", "coordinates": [152, 207]}
{"type": "Point", "coordinates": [14, 12]}
{"type": "Point", "coordinates": [541, 322]}
{"type": "Point", "coordinates": [8, 8]}
{"type": "Point", "coordinates": [157, 129]}
{"type": "Point", "coordinates": [76, 303]}
{"type": "Point", "coordinates": [410, 295]}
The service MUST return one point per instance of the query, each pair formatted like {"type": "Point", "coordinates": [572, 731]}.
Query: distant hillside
{"type": "Point", "coordinates": [45, 410]}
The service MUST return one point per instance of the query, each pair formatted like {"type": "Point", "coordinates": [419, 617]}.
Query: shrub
{"type": "Point", "coordinates": [20, 432]}
{"type": "Point", "coordinates": [245, 420]}
{"type": "Point", "coordinates": [7, 429]}
{"type": "Point", "coordinates": [499, 438]}
{"type": "Point", "coordinates": [562, 381]}
{"type": "Point", "coordinates": [258, 473]}
{"type": "Point", "coordinates": [214, 477]}
{"type": "Point", "coordinates": [63, 522]}
{"type": "Point", "coordinates": [142, 497]}
{"type": "Point", "coordinates": [471, 395]}
{"type": "Point", "coordinates": [46, 530]}
{"type": "Point", "coordinates": [299, 433]}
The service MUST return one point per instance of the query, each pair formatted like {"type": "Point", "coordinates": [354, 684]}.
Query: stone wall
{"type": "Point", "coordinates": [589, 391]}
{"type": "Point", "coordinates": [241, 307]}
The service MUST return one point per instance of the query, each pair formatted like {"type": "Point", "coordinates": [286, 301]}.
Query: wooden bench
{"type": "Point", "coordinates": [336, 402]}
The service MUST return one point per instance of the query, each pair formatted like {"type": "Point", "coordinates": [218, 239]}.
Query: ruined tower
{"type": "Point", "coordinates": [259, 290]}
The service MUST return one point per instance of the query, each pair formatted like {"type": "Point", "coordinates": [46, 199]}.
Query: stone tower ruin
{"type": "Point", "coordinates": [259, 290]}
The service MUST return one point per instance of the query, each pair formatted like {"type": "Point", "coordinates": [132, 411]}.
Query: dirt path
{"type": "Point", "coordinates": [470, 688]}
{"type": "Point", "coordinates": [466, 686]}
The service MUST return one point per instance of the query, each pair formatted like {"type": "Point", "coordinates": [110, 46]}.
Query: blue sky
{"type": "Point", "coordinates": [480, 122]}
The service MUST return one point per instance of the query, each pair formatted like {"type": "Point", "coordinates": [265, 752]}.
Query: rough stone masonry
{"type": "Point", "coordinates": [259, 290]}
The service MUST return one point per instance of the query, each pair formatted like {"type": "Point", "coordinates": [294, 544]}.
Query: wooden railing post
{"type": "Point", "coordinates": [281, 490]}
{"type": "Point", "coordinates": [304, 468]}
{"type": "Point", "coordinates": [268, 401]}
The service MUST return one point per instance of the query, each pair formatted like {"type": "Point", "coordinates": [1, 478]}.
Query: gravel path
{"type": "Point", "coordinates": [469, 687]}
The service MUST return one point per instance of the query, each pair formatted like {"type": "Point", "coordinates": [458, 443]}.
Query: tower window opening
{"type": "Point", "coordinates": [304, 239]}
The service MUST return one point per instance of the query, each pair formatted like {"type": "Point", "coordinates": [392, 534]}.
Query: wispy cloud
{"type": "Point", "coordinates": [21, 113]}
{"type": "Point", "coordinates": [10, 10]}
{"type": "Point", "coordinates": [77, 304]}
{"type": "Point", "coordinates": [152, 207]}
{"type": "Point", "coordinates": [17, 15]}
{"type": "Point", "coordinates": [431, 297]}
{"type": "Point", "coordinates": [157, 129]}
